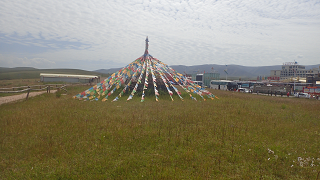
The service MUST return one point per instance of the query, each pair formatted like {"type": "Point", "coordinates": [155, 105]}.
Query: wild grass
{"type": "Point", "coordinates": [239, 136]}
{"type": "Point", "coordinates": [31, 73]}
{"type": "Point", "coordinates": [19, 82]}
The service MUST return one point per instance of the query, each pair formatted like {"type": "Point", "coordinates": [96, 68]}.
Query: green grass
{"type": "Point", "coordinates": [32, 73]}
{"type": "Point", "coordinates": [239, 136]}
{"type": "Point", "coordinates": [18, 83]}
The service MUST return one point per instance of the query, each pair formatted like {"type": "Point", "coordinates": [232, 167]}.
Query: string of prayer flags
{"type": "Point", "coordinates": [137, 73]}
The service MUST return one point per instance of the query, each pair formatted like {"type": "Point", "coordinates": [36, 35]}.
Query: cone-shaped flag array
{"type": "Point", "coordinates": [148, 72]}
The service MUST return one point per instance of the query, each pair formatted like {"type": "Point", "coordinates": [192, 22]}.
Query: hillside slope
{"type": "Point", "coordinates": [33, 73]}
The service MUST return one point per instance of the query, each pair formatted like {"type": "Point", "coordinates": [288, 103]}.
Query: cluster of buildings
{"type": "Point", "coordinates": [289, 72]}
{"type": "Point", "coordinates": [292, 71]}
{"type": "Point", "coordinates": [291, 78]}
{"type": "Point", "coordinates": [298, 77]}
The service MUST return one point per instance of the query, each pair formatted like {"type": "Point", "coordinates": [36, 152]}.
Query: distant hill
{"type": "Point", "coordinates": [236, 71]}
{"type": "Point", "coordinates": [233, 70]}
{"type": "Point", "coordinates": [108, 71]}
{"type": "Point", "coordinates": [5, 70]}
{"type": "Point", "coordinates": [33, 73]}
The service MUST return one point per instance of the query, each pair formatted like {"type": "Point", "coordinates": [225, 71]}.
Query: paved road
{"type": "Point", "coordinates": [13, 98]}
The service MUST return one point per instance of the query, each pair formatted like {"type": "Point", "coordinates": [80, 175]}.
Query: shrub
{"type": "Point", "coordinates": [58, 94]}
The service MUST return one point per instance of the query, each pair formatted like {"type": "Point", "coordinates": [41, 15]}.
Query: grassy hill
{"type": "Point", "coordinates": [239, 136]}
{"type": "Point", "coordinates": [33, 73]}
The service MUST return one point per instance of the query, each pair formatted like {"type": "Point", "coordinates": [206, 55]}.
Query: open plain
{"type": "Point", "coordinates": [238, 136]}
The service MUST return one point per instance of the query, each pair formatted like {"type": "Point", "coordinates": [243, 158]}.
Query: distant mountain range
{"type": "Point", "coordinates": [234, 71]}
{"type": "Point", "coordinates": [237, 71]}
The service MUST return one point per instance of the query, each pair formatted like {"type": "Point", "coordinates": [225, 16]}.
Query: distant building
{"type": "Point", "coordinates": [205, 78]}
{"type": "Point", "coordinates": [292, 69]}
{"type": "Point", "coordinates": [280, 89]}
{"type": "Point", "coordinates": [69, 78]}
{"type": "Point", "coordinates": [314, 80]}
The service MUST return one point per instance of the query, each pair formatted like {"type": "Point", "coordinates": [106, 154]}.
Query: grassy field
{"type": "Point", "coordinates": [17, 84]}
{"type": "Point", "coordinates": [239, 136]}
{"type": "Point", "coordinates": [32, 73]}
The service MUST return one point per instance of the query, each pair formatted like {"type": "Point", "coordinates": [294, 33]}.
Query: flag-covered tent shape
{"type": "Point", "coordinates": [141, 74]}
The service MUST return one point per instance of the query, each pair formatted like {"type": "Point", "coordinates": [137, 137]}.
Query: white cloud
{"type": "Point", "coordinates": [12, 61]}
{"type": "Point", "coordinates": [180, 32]}
{"type": "Point", "coordinates": [35, 61]}
{"type": "Point", "coordinates": [299, 56]}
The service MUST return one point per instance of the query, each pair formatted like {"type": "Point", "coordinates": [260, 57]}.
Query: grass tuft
{"type": "Point", "coordinates": [58, 94]}
{"type": "Point", "coordinates": [283, 106]}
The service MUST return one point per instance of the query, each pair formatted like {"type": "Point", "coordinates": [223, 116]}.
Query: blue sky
{"type": "Point", "coordinates": [95, 34]}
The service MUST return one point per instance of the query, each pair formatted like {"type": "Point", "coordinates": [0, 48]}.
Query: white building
{"type": "Point", "coordinates": [70, 78]}
{"type": "Point", "coordinates": [292, 69]}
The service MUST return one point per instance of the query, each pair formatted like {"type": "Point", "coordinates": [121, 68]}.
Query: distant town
{"type": "Point", "coordinates": [291, 79]}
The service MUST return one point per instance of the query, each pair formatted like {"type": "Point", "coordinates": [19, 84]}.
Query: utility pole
{"type": "Point", "coordinates": [226, 71]}
{"type": "Point", "coordinates": [294, 82]}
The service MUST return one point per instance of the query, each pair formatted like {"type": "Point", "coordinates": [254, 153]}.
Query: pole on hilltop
{"type": "Point", "coordinates": [147, 45]}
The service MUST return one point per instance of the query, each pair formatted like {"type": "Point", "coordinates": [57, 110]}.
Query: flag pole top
{"type": "Point", "coordinates": [147, 44]}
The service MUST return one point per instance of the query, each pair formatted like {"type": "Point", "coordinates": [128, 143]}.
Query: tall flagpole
{"type": "Point", "coordinates": [146, 51]}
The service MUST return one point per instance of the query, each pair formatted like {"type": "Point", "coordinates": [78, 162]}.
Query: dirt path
{"type": "Point", "coordinates": [13, 98]}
